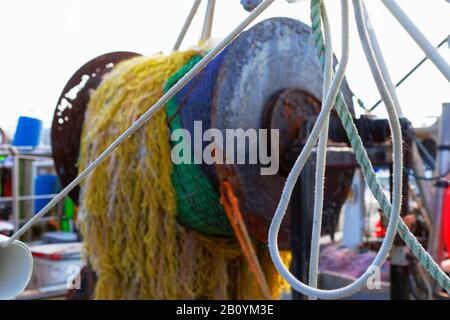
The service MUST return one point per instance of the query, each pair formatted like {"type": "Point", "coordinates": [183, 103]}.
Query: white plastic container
{"type": "Point", "coordinates": [55, 264]}
{"type": "Point", "coordinates": [16, 267]}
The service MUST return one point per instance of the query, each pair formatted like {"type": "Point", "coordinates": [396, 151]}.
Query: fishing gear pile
{"type": "Point", "coordinates": [130, 204]}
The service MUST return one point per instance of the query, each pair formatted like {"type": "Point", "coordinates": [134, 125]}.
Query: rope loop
{"type": "Point", "coordinates": [392, 211]}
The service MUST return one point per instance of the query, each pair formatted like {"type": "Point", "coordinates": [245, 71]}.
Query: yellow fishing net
{"type": "Point", "coordinates": [128, 205]}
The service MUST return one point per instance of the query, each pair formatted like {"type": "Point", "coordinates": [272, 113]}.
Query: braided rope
{"type": "Point", "coordinates": [361, 155]}
{"type": "Point", "coordinates": [383, 253]}
{"type": "Point", "coordinates": [321, 161]}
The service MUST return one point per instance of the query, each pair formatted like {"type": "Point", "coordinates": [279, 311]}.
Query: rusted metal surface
{"type": "Point", "coordinates": [69, 114]}
{"type": "Point", "coordinates": [269, 78]}
{"type": "Point", "coordinates": [288, 113]}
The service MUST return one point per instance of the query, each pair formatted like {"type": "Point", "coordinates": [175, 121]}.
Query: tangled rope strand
{"type": "Point", "coordinates": [321, 160]}
{"type": "Point", "coordinates": [293, 176]}
{"type": "Point", "coordinates": [369, 174]}
{"type": "Point", "coordinates": [425, 259]}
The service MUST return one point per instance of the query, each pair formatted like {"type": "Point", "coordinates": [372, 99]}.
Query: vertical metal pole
{"type": "Point", "coordinates": [209, 17]}
{"type": "Point", "coordinates": [442, 167]}
{"type": "Point", "coordinates": [354, 213]}
{"type": "Point", "coordinates": [301, 224]}
{"type": "Point", "coordinates": [418, 37]}
{"type": "Point", "coordinates": [425, 187]}
{"type": "Point", "coordinates": [33, 193]}
{"type": "Point", "coordinates": [15, 191]}
{"type": "Point", "coordinates": [399, 279]}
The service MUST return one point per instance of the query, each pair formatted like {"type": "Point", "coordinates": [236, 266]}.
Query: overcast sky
{"type": "Point", "coordinates": [44, 42]}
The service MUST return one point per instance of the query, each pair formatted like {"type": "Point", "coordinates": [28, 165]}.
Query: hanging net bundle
{"type": "Point", "coordinates": [136, 205]}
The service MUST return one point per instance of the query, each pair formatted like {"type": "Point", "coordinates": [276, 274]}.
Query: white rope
{"type": "Point", "coordinates": [417, 160]}
{"type": "Point", "coordinates": [381, 62]}
{"type": "Point", "coordinates": [209, 18]}
{"type": "Point", "coordinates": [187, 24]}
{"type": "Point", "coordinates": [293, 176]}
{"type": "Point", "coordinates": [321, 158]}
{"type": "Point", "coordinates": [143, 119]}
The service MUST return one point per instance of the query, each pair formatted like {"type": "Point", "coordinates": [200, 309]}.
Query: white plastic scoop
{"type": "Point", "coordinates": [16, 266]}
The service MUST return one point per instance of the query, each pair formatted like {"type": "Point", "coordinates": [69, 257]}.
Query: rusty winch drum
{"type": "Point", "coordinates": [69, 114]}
{"type": "Point", "coordinates": [268, 78]}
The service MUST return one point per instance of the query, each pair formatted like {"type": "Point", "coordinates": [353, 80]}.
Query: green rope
{"type": "Point", "coordinates": [361, 155]}
{"type": "Point", "coordinates": [198, 203]}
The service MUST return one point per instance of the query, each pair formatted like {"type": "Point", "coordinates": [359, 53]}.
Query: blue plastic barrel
{"type": "Point", "coordinates": [28, 132]}
{"type": "Point", "coordinates": [44, 184]}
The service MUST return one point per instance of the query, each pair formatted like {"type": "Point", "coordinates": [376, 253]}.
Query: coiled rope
{"type": "Point", "coordinates": [424, 258]}
{"type": "Point", "coordinates": [131, 204]}
{"type": "Point", "coordinates": [392, 211]}
{"type": "Point", "coordinates": [298, 166]}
